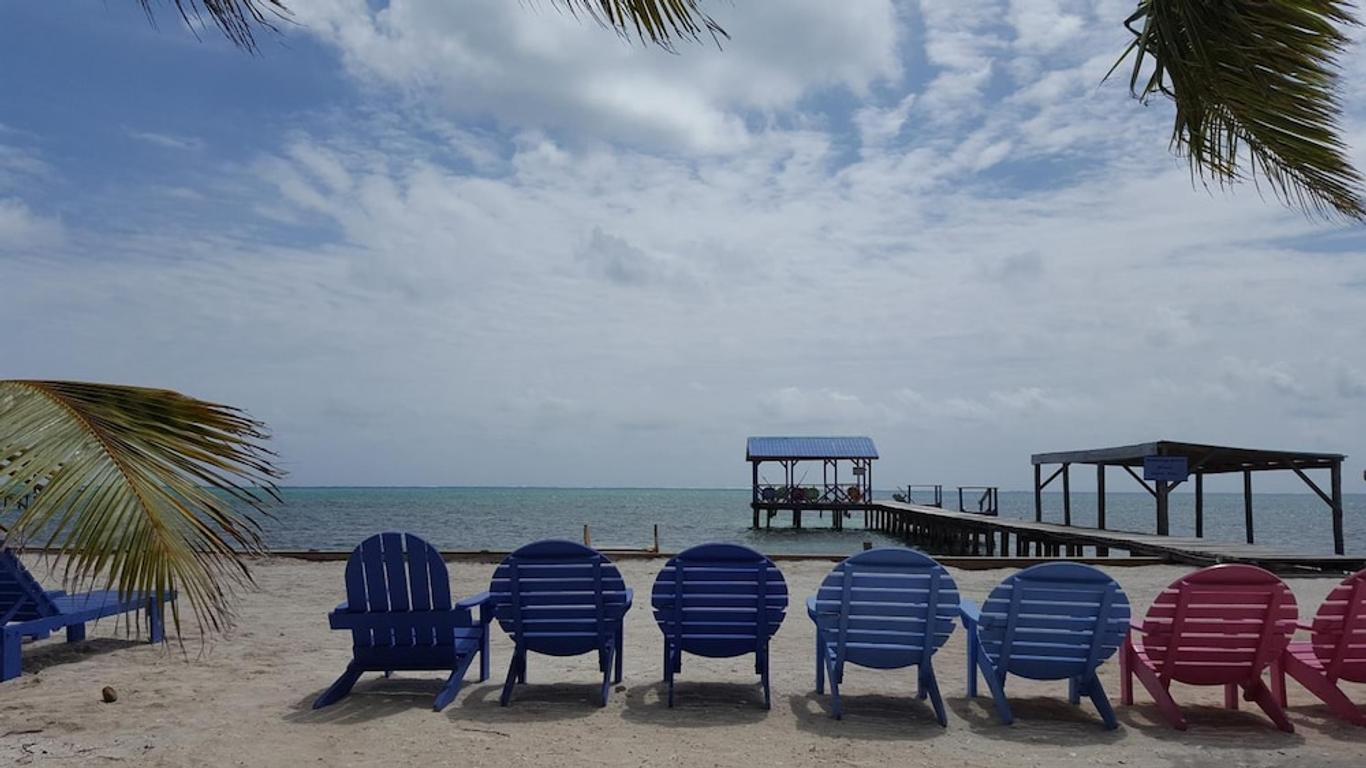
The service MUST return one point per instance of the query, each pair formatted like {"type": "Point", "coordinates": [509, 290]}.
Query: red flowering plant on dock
{"type": "Point", "coordinates": [142, 491]}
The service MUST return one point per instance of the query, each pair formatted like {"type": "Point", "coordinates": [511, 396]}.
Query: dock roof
{"type": "Point", "coordinates": [1211, 459]}
{"type": "Point", "coordinates": [780, 448]}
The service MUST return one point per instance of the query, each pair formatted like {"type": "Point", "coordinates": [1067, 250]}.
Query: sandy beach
{"type": "Point", "coordinates": [244, 699]}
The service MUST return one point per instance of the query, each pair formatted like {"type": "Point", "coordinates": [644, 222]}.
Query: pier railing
{"type": "Point", "coordinates": [987, 499]}
{"type": "Point", "coordinates": [936, 494]}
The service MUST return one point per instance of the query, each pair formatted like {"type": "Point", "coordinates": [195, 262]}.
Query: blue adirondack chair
{"type": "Point", "coordinates": [26, 610]}
{"type": "Point", "coordinates": [398, 610]}
{"type": "Point", "coordinates": [719, 600]}
{"type": "Point", "coordinates": [559, 598]}
{"type": "Point", "coordinates": [885, 608]}
{"type": "Point", "coordinates": [1055, 621]}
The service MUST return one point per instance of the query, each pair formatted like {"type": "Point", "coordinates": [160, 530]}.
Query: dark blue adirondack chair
{"type": "Point", "coordinates": [27, 611]}
{"type": "Point", "coordinates": [1055, 621]}
{"type": "Point", "coordinates": [719, 600]}
{"type": "Point", "coordinates": [886, 608]}
{"type": "Point", "coordinates": [559, 598]}
{"type": "Point", "coordinates": [398, 610]}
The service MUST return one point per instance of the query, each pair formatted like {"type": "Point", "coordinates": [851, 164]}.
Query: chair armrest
{"type": "Point", "coordinates": [342, 607]}
{"type": "Point", "coordinates": [630, 597]}
{"type": "Point", "coordinates": [811, 607]}
{"type": "Point", "coordinates": [969, 612]}
{"type": "Point", "coordinates": [1137, 627]}
{"type": "Point", "coordinates": [474, 601]}
{"type": "Point", "coordinates": [55, 592]}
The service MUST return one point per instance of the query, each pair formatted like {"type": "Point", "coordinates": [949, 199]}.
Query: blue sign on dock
{"type": "Point", "coordinates": [1172, 469]}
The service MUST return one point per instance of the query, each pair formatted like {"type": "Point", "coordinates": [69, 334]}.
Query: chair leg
{"type": "Point", "coordinates": [156, 621]}
{"type": "Point", "coordinates": [931, 687]}
{"type": "Point", "coordinates": [974, 643]}
{"type": "Point", "coordinates": [607, 667]}
{"type": "Point", "coordinates": [340, 688]}
{"type": "Point", "coordinates": [763, 677]}
{"type": "Point", "coordinates": [484, 655]}
{"type": "Point", "coordinates": [75, 633]}
{"type": "Point", "coordinates": [448, 692]}
{"type": "Point", "coordinates": [1231, 696]}
{"type": "Point", "coordinates": [836, 706]}
{"type": "Point", "coordinates": [1161, 696]}
{"type": "Point", "coordinates": [619, 656]}
{"type": "Point", "coordinates": [1318, 684]}
{"type": "Point", "coordinates": [820, 665]}
{"type": "Point", "coordinates": [1126, 675]}
{"type": "Point", "coordinates": [1096, 692]}
{"type": "Point", "coordinates": [669, 671]}
{"type": "Point", "coordinates": [521, 669]}
{"type": "Point", "coordinates": [1073, 691]}
{"type": "Point", "coordinates": [515, 667]}
{"type": "Point", "coordinates": [996, 686]}
{"type": "Point", "coordinates": [1256, 691]}
{"type": "Point", "coordinates": [10, 662]}
{"type": "Point", "coordinates": [1278, 682]}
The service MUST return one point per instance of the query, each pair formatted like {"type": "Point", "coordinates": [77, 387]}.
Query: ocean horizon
{"type": "Point", "coordinates": [475, 518]}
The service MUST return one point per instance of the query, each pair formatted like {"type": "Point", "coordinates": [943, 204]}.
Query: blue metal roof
{"type": "Point", "coordinates": [810, 448]}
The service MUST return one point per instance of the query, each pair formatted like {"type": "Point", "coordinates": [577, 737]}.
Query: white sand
{"type": "Point", "coordinates": [246, 701]}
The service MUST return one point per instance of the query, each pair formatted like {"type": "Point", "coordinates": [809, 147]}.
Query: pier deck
{"type": "Point", "coordinates": [973, 534]}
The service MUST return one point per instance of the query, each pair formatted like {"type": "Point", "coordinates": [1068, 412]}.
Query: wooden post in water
{"type": "Point", "coordinates": [587, 538]}
{"type": "Point", "coordinates": [1100, 507]}
{"type": "Point", "coordinates": [657, 537]}
{"type": "Point", "coordinates": [1038, 494]}
{"type": "Point", "coordinates": [1163, 520]}
{"type": "Point", "coordinates": [1067, 494]}
{"type": "Point", "coordinates": [1199, 505]}
{"type": "Point", "coordinates": [1247, 504]}
{"type": "Point", "coordinates": [1336, 491]}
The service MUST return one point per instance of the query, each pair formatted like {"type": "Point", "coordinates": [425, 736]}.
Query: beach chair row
{"type": "Point", "coordinates": [886, 608]}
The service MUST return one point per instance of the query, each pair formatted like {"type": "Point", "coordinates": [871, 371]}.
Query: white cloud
{"type": "Point", "coordinates": [22, 229]}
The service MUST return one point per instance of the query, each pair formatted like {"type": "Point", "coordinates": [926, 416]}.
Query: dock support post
{"type": "Point", "coordinates": [1336, 491]}
{"type": "Point", "coordinates": [1163, 521]}
{"type": "Point", "coordinates": [1199, 505]}
{"type": "Point", "coordinates": [1038, 493]}
{"type": "Point", "coordinates": [754, 493]}
{"type": "Point", "coordinates": [1101, 551]}
{"type": "Point", "coordinates": [1067, 494]}
{"type": "Point", "coordinates": [1247, 504]}
{"type": "Point", "coordinates": [797, 518]}
{"type": "Point", "coordinates": [756, 519]}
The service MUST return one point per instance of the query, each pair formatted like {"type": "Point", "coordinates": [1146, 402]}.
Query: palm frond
{"type": "Point", "coordinates": [660, 22]}
{"type": "Point", "coordinates": [238, 20]}
{"type": "Point", "coordinates": [1254, 82]}
{"type": "Point", "coordinates": [135, 488]}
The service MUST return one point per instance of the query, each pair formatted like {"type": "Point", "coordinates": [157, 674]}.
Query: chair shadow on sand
{"type": "Point", "coordinates": [375, 698]}
{"type": "Point", "coordinates": [867, 716]}
{"type": "Point", "coordinates": [43, 654]}
{"type": "Point", "coordinates": [1037, 719]}
{"type": "Point", "coordinates": [1213, 726]}
{"type": "Point", "coordinates": [696, 704]}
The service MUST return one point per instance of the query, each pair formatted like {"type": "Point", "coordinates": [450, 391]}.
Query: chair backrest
{"type": "Point", "coordinates": [1053, 621]}
{"type": "Point", "coordinates": [719, 600]}
{"type": "Point", "coordinates": [1339, 630]}
{"type": "Point", "coordinates": [558, 597]}
{"type": "Point", "coordinates": [886, 608]}
{"type": "Point", "coordinates": [21, 596]}
{"type": "Point", "coordinates": [1218, 625]}
{"type": "Point", "coordinates": [396, 573]}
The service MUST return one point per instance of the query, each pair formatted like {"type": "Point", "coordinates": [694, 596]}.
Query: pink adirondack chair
{"type": "Point", "coordinates": [1335, 651]}
{"type": "Point", "coordinates": [1222, 625]}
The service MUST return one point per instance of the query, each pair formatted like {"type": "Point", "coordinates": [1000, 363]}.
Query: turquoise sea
{"type": "Point", "coordinates": [504, 518]}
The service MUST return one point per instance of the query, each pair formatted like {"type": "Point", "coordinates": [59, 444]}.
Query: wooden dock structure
{"type": "Point", "coordinates": [970, 534]}
{"type": "Point", "coordinates": [855, 454]}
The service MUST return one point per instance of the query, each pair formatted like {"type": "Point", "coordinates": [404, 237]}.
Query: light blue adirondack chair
{"type": "Point", "coordinates": [886, 608]}
{"type": "Point", "coordinates": [27, 611]}
{"type": "Point", "coordinates": [398, 610]}
{"type": "Point", "coordinates": [1055, 621]}
{"type": "Point", "coordinates": [719, 600]}
{"type": "Point", "coordinates": [560, 598]}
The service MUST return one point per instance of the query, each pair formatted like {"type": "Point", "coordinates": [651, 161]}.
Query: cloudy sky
{"type": "Point", "coordinates": [485, 243]}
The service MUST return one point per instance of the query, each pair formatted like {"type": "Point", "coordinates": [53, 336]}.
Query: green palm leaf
{"type": "Point", "coordinates": [1254, 82]}
{"type": "Point", "coordinates": [136, 487]}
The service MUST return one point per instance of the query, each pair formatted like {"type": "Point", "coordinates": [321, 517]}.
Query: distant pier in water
{"type": "Point", "coordinates": [975, 530]}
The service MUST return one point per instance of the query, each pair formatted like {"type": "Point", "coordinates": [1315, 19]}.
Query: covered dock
{"type": "Point", "coordinates": [855, 493]}
{"type": "Point", "coordinates": [1167, 464]}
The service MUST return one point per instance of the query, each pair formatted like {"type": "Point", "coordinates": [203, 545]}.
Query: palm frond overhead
{"type": "Point", "coordinates": [135, 488]}
{"type": "Point", "coordinates": [661, 22]}
{"type": "Point", "coordinates": [1256, 89]}
{"type": "Point", "coordinates": [238, 20]}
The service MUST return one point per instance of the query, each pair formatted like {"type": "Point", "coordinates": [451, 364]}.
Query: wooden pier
{"type": "Point", "coordinates": [966, 533]}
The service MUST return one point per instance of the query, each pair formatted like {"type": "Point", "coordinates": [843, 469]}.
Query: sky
{"type": "Point", "coordinates": [488, 243]}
